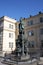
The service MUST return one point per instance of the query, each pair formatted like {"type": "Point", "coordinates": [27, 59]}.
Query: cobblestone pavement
{"type": "Point", "coordinates": [26, 63]}
{"type": "Point", "coordinates": [0, 61]}
{"type": "Point", "coordinates": [22, 63]}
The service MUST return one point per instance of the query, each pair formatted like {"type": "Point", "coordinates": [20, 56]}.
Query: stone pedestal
{"type": "Point", "coordinates": [23, 58]}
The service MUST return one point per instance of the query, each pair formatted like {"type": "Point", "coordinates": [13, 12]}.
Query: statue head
{"type": "Point", "coordinates": [20, 19]}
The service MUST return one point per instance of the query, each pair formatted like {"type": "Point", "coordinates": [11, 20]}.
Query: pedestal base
{"type": "Point", "coordinates": [23, 58]}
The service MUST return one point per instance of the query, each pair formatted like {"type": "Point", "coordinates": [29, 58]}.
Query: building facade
{"type": "Point", "coordinates": [7, 34]}
{"type": "Point", "coordinates": [33, 27]}
{"type": "Point", "coordinates": [34, 31]}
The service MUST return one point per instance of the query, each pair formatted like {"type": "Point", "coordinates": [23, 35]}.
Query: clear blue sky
{"type": "Point", "coordinates": [20, 8]}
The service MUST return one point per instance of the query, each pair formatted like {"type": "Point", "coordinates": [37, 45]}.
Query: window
{"type": "Point", "coordinates": [30, 33]}
{"type": "Point", "coordinates": [11, 35]}
{"type": "Point", "coordinates": [1, 32]}
{"type": "Point", "coordinates": [0, 38]}
{"type": "Point", "coordinates": [0, 47]}
{"type": "Point", "coordinates": [41, 19]}
{"type": "Point", "coordinates": [11, 26]}
{"type": "Point", "coordinates": [41, 43]}
{"type": "Point", "coordinates": [41, 31]}
{"type": "Point", "coordinates": [30, 22]}
{"type": "Point", "coordinates": [10, 44]}
{"type": "Point", "coordinates": [1, 22]}
{"type": "Point", "coordinates": [31, 44]}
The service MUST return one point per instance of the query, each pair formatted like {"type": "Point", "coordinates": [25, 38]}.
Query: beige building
{"type": "Point", "coordinates": [17, 29]}
{"type": "Point", "coordinates": [7, 34]}
{"type": "Point", "coordinates": [34, 31]}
